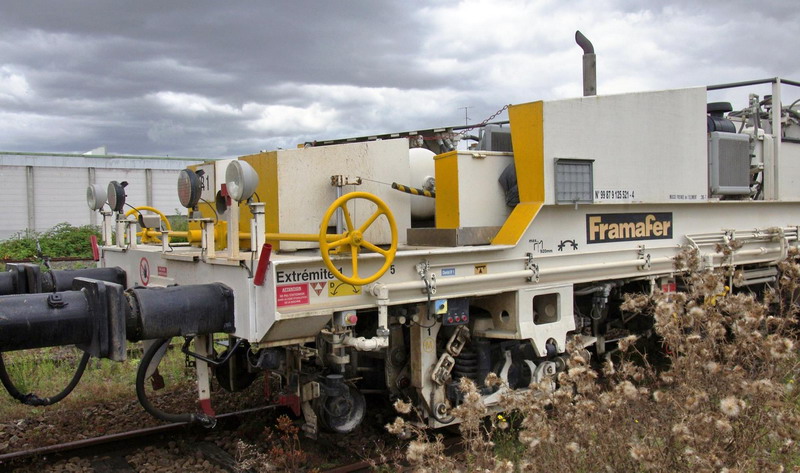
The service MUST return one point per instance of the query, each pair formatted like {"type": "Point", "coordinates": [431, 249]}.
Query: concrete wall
{"type": "Point", "coordinates": [41, 190]}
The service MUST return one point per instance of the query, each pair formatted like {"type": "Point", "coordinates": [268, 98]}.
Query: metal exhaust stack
{"type": "Point", "coordinates": [589, 64]}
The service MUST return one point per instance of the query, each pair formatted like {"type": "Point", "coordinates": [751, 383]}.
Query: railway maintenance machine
{"type": "Point", "coordinates": [400, 263]}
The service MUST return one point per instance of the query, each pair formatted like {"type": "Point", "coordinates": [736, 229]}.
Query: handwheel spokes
{"type": "Point", "coordinates": [370, 220]}
{"type": "Point", "coordinates": [347, 218]}
{"type": "Point", "coordinates": [354, 259]}
{"type": "Point", "coordinates": [338, 243]}
{"type": "Point", "coordinates": [353, 239]}
{"type": "Point", "coordinates": [375, 248]}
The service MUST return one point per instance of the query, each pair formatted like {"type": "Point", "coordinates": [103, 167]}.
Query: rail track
{"type": "Point", "coordinates": [124, 441]}
{"type": "Point", "coordinates": [109, 452]}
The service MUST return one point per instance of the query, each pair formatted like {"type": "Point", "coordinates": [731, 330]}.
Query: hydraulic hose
{"type": "Point", "coordinates": [31, 399]}
{"type": "Point", "coordinates": [141, 376]}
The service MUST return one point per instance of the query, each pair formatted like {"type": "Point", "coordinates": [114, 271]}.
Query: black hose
{"type": "Point", "coordinates": [31, 399]}
{"type": "Point", "coordinates": [141, 376]}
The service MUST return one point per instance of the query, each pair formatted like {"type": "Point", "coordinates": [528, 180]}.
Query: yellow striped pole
{"type": "Point", "coordinates": [413, 190]}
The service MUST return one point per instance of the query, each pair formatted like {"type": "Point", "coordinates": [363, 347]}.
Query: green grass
{"type": "Point", "coordinates": [46, 371]}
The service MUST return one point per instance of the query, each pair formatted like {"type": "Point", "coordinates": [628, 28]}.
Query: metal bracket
{"type": "Point", "coordinates": [340, 180]}
{"type": "Point", "coordinates": [457, 341]}
{"type": "Point", "coordinates": [441, 371]}
{"type": "Point", "coordinates": [423, 270]}
{"type": "Point", "coordinates": [728, 236]}
{"type": "Point", "coordinates": [309, 391]}
{"type": "Point", "coordinates": [310, 426]}
{"type": "Point", "coordinates": [531, 266]}
{"type": "Point", "coordinates": [645, 257]}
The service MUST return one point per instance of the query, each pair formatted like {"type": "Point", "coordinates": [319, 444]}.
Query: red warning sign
{"type": "Point", "coordinates": [292, 294]}
{"type": "Point", "coordinates": [144, 271]}
{"type": "Point", "coordinates": [318, 287]}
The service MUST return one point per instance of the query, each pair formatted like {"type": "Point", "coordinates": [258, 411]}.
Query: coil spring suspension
{"type": "Point", "coordinates": [466, 364]}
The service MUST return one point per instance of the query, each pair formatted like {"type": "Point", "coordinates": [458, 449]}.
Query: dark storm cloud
{"type": "Point", "coordinates": [215, 79]}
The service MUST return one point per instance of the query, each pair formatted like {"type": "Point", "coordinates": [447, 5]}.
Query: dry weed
{"type": "Point", "coordinates": [723, 400]}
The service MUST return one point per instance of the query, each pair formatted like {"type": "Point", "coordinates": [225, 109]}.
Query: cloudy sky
{"type": "Point", "coordinates": [214, 79]}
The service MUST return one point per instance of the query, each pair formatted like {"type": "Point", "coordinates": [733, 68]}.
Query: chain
{"type": "Point", "coordinates": [483, 123]}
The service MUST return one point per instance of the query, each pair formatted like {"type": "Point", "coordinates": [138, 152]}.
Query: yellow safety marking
{"type": "Point", "coordinates": [446, 167]}
{"type": "Point", "coordinates": [481, 269]}
{"type": "Point", "coordinates": [527, 137]}
{"type": "Point", "coordinates": [516, 223]}
{"type": "Point", "coordinates": [412, 190]}
{"type": "Point", "coordinates": [266, 165]}
{"type": "Point", "coordinates": [338, 288]}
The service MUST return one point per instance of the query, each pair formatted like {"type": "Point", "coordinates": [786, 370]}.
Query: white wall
{"type": "Point", "coordinates": [58, 193]}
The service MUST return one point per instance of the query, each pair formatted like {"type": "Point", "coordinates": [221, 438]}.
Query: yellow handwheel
{"type": "Point", "coordinates": [354, 237]}
{"type": "Point", "coordinates": [143, 234]}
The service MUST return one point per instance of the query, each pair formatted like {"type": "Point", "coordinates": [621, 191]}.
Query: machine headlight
{"type": "Point", "coordinates": [95, 197]}
{"type": "Point", "coordinates": [116, 195]}
{"type": "Point", "coordinates": [241, 180]}
{"type": "Point", "coordinates": [189, 188]}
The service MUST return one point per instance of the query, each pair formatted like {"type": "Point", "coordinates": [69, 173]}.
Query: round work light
{"type": "Point", "coordinates": [189, 188]}
{"type": "Point", "coordinates": [116, 195]}
{"type": "Point", "coordinates": [241, 180]}
{"type": "Point", "coordinates": [95, 197]}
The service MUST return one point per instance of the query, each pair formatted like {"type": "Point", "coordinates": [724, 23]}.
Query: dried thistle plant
{"type": "Point", "coordinates": [723, 398]}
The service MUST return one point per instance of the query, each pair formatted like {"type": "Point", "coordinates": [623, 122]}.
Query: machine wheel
{"type": "Point", "coordinates": [341, 407]}
{"type": "Point", "coordinates": [354, 238]}
{"type": "Point", "coordinates": [233, 375]}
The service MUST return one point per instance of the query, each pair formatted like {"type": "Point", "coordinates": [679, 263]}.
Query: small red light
{"type": "Point", "coordinates": [463, 318]}
{"type": "Point", "coordinates": [352, 319]}
{"type": "Point", "coordinates": [449, 320]}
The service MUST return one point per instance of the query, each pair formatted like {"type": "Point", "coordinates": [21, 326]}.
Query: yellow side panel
{"type": "Point", "coordinates": [266, 165]}
{"type": "Point", "coordinates": [516, 223]}
{"type": "Point", "coordinates": [446, 167]}
{"type": "Point", "coordinates": [527, 137]}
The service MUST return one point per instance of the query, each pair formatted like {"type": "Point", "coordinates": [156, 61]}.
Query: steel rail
{"type": "Point", "coordinates": [112, 438]}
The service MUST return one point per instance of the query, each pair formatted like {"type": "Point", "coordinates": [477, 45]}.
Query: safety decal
{"type": "Point", "coordinates": [448, 271]}
{"type": "Point", "coordinates": [481, 269]}
{"type": "Point", "coordinates": [338, 288]}
{"type": "Point", "coordinates": [607, 228]}
{"type": "Point", "coordinates": [144, 271]}
{"type": "Point", "coordinates": [569, 244]}
{"type": "Point", "coordinates": [162, 271]}
{"type": "Point", "coordinates": [292, 294]}
{"type": "Point", "coordinates": [318, 287]}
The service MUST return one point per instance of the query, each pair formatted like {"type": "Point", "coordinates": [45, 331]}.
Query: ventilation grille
{"type": "Point", "coordinates": [729, 163]}
{"type": "Point", "coordinates": [495, 138]}
{"type": "Point", "coordinates": [574, 181]}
